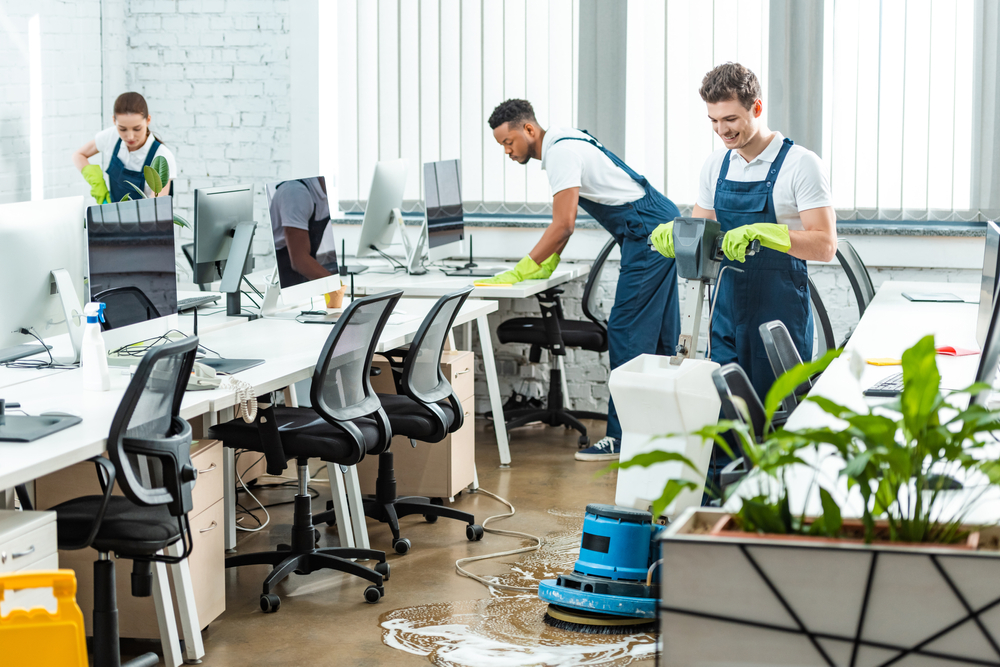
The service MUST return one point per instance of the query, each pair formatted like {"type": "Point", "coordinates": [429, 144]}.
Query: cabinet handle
{"type": "Point", "coordinates": [463, 372]}
{"type": "Point", "coordinates": [212, 527]}
{"type": "Point", "coordinates": [208, 469]}
{"type": "Point", "coordinates": [29, 550]}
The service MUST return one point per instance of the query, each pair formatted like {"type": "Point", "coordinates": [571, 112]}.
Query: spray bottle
{"type": "Point", "coordinates": [93, 355]}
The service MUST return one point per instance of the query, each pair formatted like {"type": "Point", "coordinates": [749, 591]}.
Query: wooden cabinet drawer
{"type": "Point", "coordinates": [206, 455]}
{"type": "Point", "coordinates": [26, 538]}
{"type": "Point", "coordinates": [208, 563]}
{"type": "Point", "coordinates": [459, 367]}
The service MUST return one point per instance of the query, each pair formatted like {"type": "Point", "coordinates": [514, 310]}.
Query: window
{"type": "Point", "coordinates": [899, 108]}
{"type": "Point", "coordinates": [419, 80]}
{"type": "Point", "coordinates": [670, 48]}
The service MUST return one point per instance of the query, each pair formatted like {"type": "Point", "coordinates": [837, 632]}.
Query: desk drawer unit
{"type": "Point", "coordinates": [137, 616]}
{"type": "Point", "coordinates": [27, 542]}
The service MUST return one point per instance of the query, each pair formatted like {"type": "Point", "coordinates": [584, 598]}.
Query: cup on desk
{"type": "Point", "coordinates": [335, 299]}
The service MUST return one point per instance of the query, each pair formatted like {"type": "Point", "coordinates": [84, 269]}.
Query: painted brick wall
{"type": "Point", "coordinates": [216, 76]}
{"type": "Point", "coordinates": [71, 92]}
{"type": "Point", "coordinates": [587, 372]}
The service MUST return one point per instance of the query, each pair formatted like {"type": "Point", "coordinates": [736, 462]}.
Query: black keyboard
{"type": "Point", "coordinates": [196, 302]}
{"type": "Point", "coordinates": [890, 386]}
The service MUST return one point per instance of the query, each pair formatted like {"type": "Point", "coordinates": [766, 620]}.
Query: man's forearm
{"type": "Point", "coordinates": [819, 246]}
{"type": "Point", "coordinates": [553, 240]}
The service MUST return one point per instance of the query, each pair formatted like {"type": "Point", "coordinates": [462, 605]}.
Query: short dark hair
{"type": "Point", "coordinates": [515, 112]}
{"type": "Point", "coordinates": [731, 81]}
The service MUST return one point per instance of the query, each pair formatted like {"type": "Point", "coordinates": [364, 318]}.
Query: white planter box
{"type": "Point", "coordinates": [760, 601]}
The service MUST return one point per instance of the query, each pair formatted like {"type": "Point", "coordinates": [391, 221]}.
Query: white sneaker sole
{"type": "Point", "coordinates": [580, 456]}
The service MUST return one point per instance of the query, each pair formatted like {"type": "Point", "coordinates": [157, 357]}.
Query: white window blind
{"type": "Point", "coordinates": [899, 108]}
{"type": "Point", "coordinates": [670, 47]}
{"type": "Point", "coordinates": [419, 79]}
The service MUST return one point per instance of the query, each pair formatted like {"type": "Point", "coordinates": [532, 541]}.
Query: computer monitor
{"type": "Point", "coordinates": [305, 199]}
{"type": "Point", "coordinates": [443, 209]}
{"type": "Point", "coordinates": [42, 269]}
{"type": "Point", "coordinates": [130, 245]}
{"type": "Point", "coordinates": [382, 212]}
{"type": "Point", "coordinates": [990, 356]}
{"type": "Point", "coordinates": [223, 237]}
{"type": "Point", "coordinates": [987, 289]}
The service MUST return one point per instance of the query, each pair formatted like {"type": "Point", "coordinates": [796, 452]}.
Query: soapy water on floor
{"type": "Point", "coordinates": [507, 629]}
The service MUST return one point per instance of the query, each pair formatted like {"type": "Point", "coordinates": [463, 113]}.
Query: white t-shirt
{"type": "Point", "coordinates": [572, 164]}
{"type": "Point", "coordinates": [801, 184]}
{"type": "Point", "coordinates": [133, 160]}
{"type": "Point", "coordinates": [292, 206]}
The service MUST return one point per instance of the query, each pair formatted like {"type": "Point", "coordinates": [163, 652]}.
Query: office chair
{"type": "Point", "coordinates": [124, 306]}
{"type": "Point", "coordinates": [857, 274]}
{"type": "Point", "coordinates": [345, 422]}
{"type": "Point", "coordinates": [783, 355]}
{"type": "Point", "coordinates": [149, 447]}
{"type": "Point", "coordinates": [554, 333]}
{"type": "Point", "coordinates": [821, 320]}
{"type": "Point", "coordinates": [424, 408]}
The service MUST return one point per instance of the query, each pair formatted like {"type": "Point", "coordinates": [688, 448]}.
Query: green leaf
{"type": "Point", "coordinates": [762, 517]}
{"type": "Point", "coordinates": [921, 381]}
{"type": "Point", "coordinates": [181, 222]}
{"type": "Point", "coordinates": [670, 491]}
{"type": "Point", "coordinates": [125, 197]}
{"type": "Point", "coordinates": [152, 179]}
{"type": "Point", "coordinates": [832, 520]}
{"type": "Point", "coordinates": [857, 465]}
{"type": "Point", "coordinates": [162, 169]}
{"type": "Point", "coordinates": [652, 458]}
{"type": "Point", "coordinates": [141, 193]}
{"type": "Point", "coordinates": [789, 381]}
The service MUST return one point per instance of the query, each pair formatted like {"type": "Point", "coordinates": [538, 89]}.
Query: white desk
{"type": "Point", "coordinates": [891, 324]}
{"type": "Point", "coordinates": [435, 284]}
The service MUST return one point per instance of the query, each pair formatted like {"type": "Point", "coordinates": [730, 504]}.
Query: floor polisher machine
{"type": "Point", "coordinates": [614, 585]}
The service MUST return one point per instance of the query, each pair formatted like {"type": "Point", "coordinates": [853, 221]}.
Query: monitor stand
{"type": "Point", "coordinates": [22, 428]}
{"type": "Point", "coordinates": [21, 351]}
{"type": "Point", "coordinates": [232, 277]}
{"type": "Point", "coordinates": [344, 269]}
{"type": "Point", "coordinates": [72, 311]}
{"type": "Point", "coordinates": [415, 252]}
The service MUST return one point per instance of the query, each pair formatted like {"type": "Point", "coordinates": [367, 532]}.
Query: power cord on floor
{"type": "Point", "coordinates": [267, 517]}
{"type": "Point", "coordinates": [510, 533]}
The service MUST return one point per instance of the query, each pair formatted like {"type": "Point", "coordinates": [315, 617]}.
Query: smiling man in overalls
{"type": "Point", "coordinates": [759, 187]}
{"type": "Point", "coordinates": [645, 317]}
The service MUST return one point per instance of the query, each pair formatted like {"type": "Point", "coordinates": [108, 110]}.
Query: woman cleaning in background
{"type": "Point", "coordinates": [131, 146]}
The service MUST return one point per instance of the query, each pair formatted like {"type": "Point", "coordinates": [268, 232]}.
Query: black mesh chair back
{"type": "Point", "coordinates": [783, 355]}
{"type": "Point", "coordinates": [149, 443]}
{"type": "Point", "coordinates": [857, 273]}
{"type": "Point", "coordinates": [591, 294]}
{"type": "Point", "coordinates": [821, 321]}
{"type": "Point", "coordinates": [733, 384]}
{"type": "Point", "coordinates": [341, 390]}
{"type": "Point", "coordinates": [422, 379]}
{"type": "Point", "coordinates": [124, 306]}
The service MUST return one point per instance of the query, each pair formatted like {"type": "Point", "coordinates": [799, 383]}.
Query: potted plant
{"type": "Point", "coordinates": [157, 176]}
{"type": "Point", "coordinates": [910, 580]}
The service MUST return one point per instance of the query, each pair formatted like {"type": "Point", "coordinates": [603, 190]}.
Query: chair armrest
{"type": "Point", "coordinates": [107, 481]}
{"type": "Point", "coordinates": [177, 472]}
{"type": "Point", "coordinates": [551, 310]}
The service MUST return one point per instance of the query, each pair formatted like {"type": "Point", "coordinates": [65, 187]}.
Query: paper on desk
{"type": "Point", "coordinates": [951, 351]}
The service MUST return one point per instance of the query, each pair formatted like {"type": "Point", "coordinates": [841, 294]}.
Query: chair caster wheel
{"type": "Point", "coordinates": [373, 594]}
{"type": "Point", "coordinates": [316, 536]}
{"type": "Point", "coordinates": [431, 518]}
{"type": "Point", "coordinates": [269, 603]}
{"type": "Point", "coordinates": [383, 569]}
{"type": "Point", "coordinates": [329, 507]}
{"type": "Point", "coordinates": [437, 501]}
{"type": "Point", "coordinates": [401, 546]}
{"type": "Point", "coordinates": [583, 442]}
{"type": "Point", "coordinates": [474, 532]}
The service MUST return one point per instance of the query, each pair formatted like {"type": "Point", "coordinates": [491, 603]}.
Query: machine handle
{"type": "Point", "coordinates": [752, 249]}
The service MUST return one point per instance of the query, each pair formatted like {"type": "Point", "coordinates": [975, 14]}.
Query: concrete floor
{"type": "Point", "coordinates": [323, 619]}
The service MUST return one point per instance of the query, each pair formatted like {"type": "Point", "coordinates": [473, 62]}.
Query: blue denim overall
{"type": "Point", "coordinates": [119, 177]}
{"type": "Point", "coordinates": [645, 318]}
{"type": "Point", "coordinates": [773, 285]}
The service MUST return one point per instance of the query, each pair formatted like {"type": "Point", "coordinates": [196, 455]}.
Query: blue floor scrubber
{"type": "Point", "coordinates": [611, 589]}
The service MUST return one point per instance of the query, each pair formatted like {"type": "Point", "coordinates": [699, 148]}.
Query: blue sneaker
{"type": "Point", "coordinates": [605, 449]}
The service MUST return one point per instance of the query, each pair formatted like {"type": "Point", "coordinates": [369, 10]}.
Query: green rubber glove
{"type": "Point", "coordinates": [98, 188]}
{"type": "Point", "coordinates": [524, 268]}
{"type": "Point", "coordinates": [662, 239]}
{"type": "Point", "coordinates": [770, 235]}
{"type": "Point", "coordinates": [545, 269]}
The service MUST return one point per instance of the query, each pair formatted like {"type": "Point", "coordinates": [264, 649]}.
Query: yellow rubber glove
{"type": "Point", "coordinates": [770, 235]}
{"type": "Point", "coordinates": [98, 188]}
{"type": "Point", "coordinates": [545, 269]}
{"type": "Point", "coordinates": [662, 239]}
{"type": "Point", "coordinates": [524, 268]}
